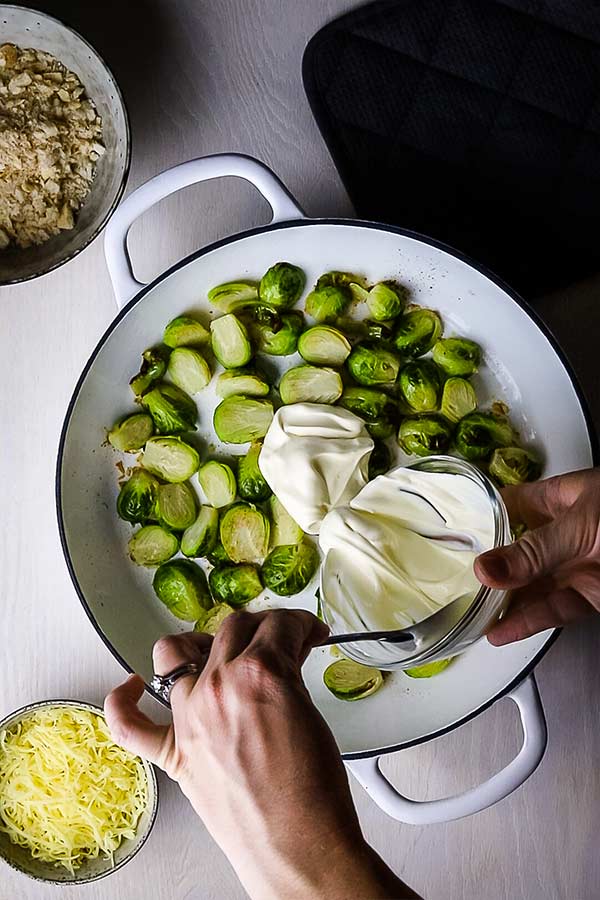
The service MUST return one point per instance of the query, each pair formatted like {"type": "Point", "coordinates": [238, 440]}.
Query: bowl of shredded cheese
{"type": "Point", "coordinates": [74, 806]}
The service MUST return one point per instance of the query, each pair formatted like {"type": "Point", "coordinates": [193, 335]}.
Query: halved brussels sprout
{"type": "Point", "coordinates": [458, 399]}
{"type": "Point", "coordinates": [282, 285]}
{"type": "Point", "coordinates": [131, 433]}
{"type": "Point", "coordinates": [188, 369]}
{"type": "Point", "coordinates": [424, 435]}
{"type": "Point", "coordinates": [418, 330]}
{"type": "Point", "coordinates": [376, 408]}
{"type": "Point", "coordinates": [212, 620]}
{"type": "Point", "coordinates": [284, 529]}
{"type": "Point", "coordinates": [172, 410]}
{"type": "Point", "coordinates": [217, 555]}
{"type": "Point", "coordinates": [513, 465]}
{"type": "Point", "coordinates": [420, 385]}
{"type": "Point", "coordinates": [137, 498]}
{"type": "Point", "coordinates": [176, 506]}
{"type": "Point", "coordinates": [289, 567]}
{"type": "Point", "coordinates": [386, 300]}
{"type": "Point", "coordinates": [201, 537]}
{"type": "Point", "coordinates": [429, 669]}
{"type": "Point", "coordinates": [239, 420]}
{"type": "Point", "coordinates": [235, 585]}
{"type": "Point", "coordinates": [244, 533]}
{"type": "Point", "coordinates": [154, 366]}
{"type": "Point", "coordinates": [233, 295]}
{"type": "Point", "coordinates": [279, 335]}
{"type": "Point", "coordinates": [457, 356]}
{"type": "Point", "coordinates": [170, 458]}
{"type": "Point", "coordinates": [152, 545]}
{"type": "Point", "coordinates": [380, 460]}
{"type": "Point", "coordinates": [241, 381]}
{"type": "Point", "coordinates": [218, 483]}
{"type": "Point", "coordinates": [323, 345]}
{"type": "Point", "coordinates": [379, 332]}
{"type": "Point", "coordinates": [370, 365]}
{"type": "Point", "coordinates": [185, 331]}
{"type": "Point", "coordinates": [230, 341]}
{"type": "Point", "coordinates": [479, 434]}
{"type": "Point", "coordinates": [251, 484]}
{"type": "Point", "coordinates": [310, 384]}
{"type": "Point", "coordinates": [348, 680]}
{"type": "Point", "coordinates": [327, 302]}
{"type": "Point", "coordinates": [181, 585]}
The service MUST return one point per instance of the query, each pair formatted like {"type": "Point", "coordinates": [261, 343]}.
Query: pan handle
{"type": "Point", "coordinates": [429, 812]}
{"type": "Point", "coordinates": [220, 165]}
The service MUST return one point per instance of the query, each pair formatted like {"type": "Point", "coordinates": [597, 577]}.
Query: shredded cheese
{"type": "Point", "coordinates": [68, 793]}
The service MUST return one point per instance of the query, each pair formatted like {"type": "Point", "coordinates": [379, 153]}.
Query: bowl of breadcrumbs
{"type": "Point", "coordinates": [64, 144]}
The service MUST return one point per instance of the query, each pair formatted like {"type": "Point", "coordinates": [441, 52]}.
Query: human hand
{"type": "Point", "coordinates": [553, 571]}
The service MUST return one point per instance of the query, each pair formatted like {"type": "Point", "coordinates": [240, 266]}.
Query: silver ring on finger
{"type": "Point", "coordinates": [162, 685]}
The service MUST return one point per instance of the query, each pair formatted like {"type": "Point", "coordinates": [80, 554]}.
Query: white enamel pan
{"type": "Point", "coordinates": [523, 366]}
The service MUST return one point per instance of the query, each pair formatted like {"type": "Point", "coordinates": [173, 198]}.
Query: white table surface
{"type": "Point", "coordinates": [203, 76]}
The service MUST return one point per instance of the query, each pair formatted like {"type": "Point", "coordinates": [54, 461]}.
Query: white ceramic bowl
{"type": "Point", "coordinates": [28, 28]}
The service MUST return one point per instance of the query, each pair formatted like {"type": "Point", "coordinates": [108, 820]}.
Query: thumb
{"type": "Point", "coordinates": [131, 728]}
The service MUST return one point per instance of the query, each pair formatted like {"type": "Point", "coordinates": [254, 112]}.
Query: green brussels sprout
{"type": "Point", "coordinates": [172, 409]}
{"type": "Point", "coordinates": [381, 428]}
{"type": "Point", "coordinates": [457, 356]}
{"type": "Point", "coordinates": [239, 420]}
{"type": "Point", "coordinates": [279, 335]}
{"type": "Point", "coordinates": [420, 385]}
{"type": "Point", "coordinates": [188, 369]}
{"type": "Point", "coordinates": [137, 498]}
{"type": "Point", "coordinates": [131, 433]}
{"type": "Point", "coordinates": [170, 458]}
{"type": "Point", "coordinates": [185, 331]}
{"type": "Point", "coordinates": [234, 584]}
{"type": "Point", "coordinates": [244, 532]}
{"type": "Point", "coordinates": [212, 620]}
{"type": "Point", "coordinates": [513, 465]}
{"type": "Point", "coordinates": [310, 384]}
{"type": "Point", "coordinates": [152, 545]}
{"type": "Point", "coordinates": [424, 435]}
{"type": "Point", "coordinates": [370, 365]}
{"type": "Point", "coordinates": [417, 332]}
{"type": "Point", "coordinates": [479, 434]}
{"type": "Point", "coordinates": [323, 345]}
{"type": "Point", "coordinates": [289, 568]}
{"type": "Point", "coordinates": [181, 585]}
{"type": "Point", "coordinates": [241, 381]}
{"type": "Point", "coordinates": [176, 506]}
{"type": "Point", "coordinates": [284, 529]}
{"type": "Point", "coordinates": [218, 483]}
{"type": "Point", "coordinates": [343, 280]}
{"type": "Point", "coordinates": [429, 669]}
{"type": "Point", "coordinates": [251, 483]}
{"type": "Point", "coordinates": [386, 300]}
{"type": "Point", "coordinates": [233, 295]}
{"type": "Point", "coordinates": [380, 460]}
{"type": "Point", "coordinates": [328, 302]}
{"type": "Point", "coordinates": [154, 366]}
{"type": "Point", "coordinates": [230, 341]}
{"type": "Point", "coordinates": [201, 537]}
{"type": "Point", "coordinates": [348, 680]}
{"type": "Point", "coordinates": [458, 399]}
{"type": "Point", "coordinates": [217, 555]}
{"type": "Point", "coordinates": [375, 407]}
{"type": "Point", "coordinates": [282, 285]}
{"type": "Point", "coordinates": [379, 332]}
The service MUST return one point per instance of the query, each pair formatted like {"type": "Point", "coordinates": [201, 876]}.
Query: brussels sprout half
{"type": "Point", "coordinates": [420, 385]}
{"type": "Point", "coordinates": [152, 545]}
{"type": "Point", "coordinates": [131, 433]}
{"type": "Point", "coordinates": [185, 331]}
{"type": "Point", "coordinates": [181, 585]}
{"type": "Point", "coordinates": [230, 341]}
{"type": "Point", "coordinates": [310, 384]}
{"type": "Point", "coordinates": [429, 669]}
{"type": "Point", "coordinates": [418, 330]}
{"type": "Point", "coordinates": [218, 483]}
{"type": "Point", "coordinates": [212, 620]}
{"type": "Point", "coordinates": [217, 555]}
{"type": "Point", "coordinates": [278, 336]}
{"type": "Point", "coordinates": [233, 295]}
{"type": "Point", "coordinates": [176, 506]}
{"type": "Point", "coordinates": [458, 399]}
{"type": "Point", "coordinates": [239, 420]}
{"type": "Point", "coordinates": [282, 285]}
{"type": "Point", "coordinates": [154, 366]}
{"type": "Point", "coordinates": [172, 410]}
{"type": "Point", "coordinates": [284, 529]}
{"type": "Point", "coordinates": [188, 369]}
{"type": "Point", "coordinates": [137, 498]}
{"type": "Point", "coordinates": [241, 381]}
{"type": "Point", "coordinates": [376, 408]}
{"type": "Point", "coordinates": [234, 584]}
{"type": "Point", "coordinates": [328, 302]}
{"type": "Point", "coordinates": [479, 434]}
{"type": "Point", "coordinates": [251, 483]}
{"type": "Point", "coordinates": [244, 532]}
{"type": "Point", "coordinates": [289, 567]}
{"type": "Point", "coordinates": [371, 365]}
{"type": "Point", "coordinates": [513, 465]}
{"type": "Point", "coordinates": [424, 435]}
{"type": "Point", "coordinates": [201, 537]}
{"type": "Point", "coordinates": [380, 460]}
{"type": "Point", "coordinates": [457, 356]}
{"type": "Point", "coordinates": [170, 458]}
{"type": "Point", "coordinates": [323, 345]}
{"type": "Point", "coordinates": [386, 300]}
{"type": "Point", "coordinates": [348, 680]}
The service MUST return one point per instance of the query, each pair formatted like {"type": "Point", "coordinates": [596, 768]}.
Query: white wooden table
{"type": "Point", "coordinates": [201, 77]}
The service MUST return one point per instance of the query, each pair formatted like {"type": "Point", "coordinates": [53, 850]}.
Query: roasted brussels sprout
{"type": "Point", "coordinates": [181, 585]}
{"type": "Point", "coordinates": [417, 332]}
{"type": "Point", "coordinates": [131, 433]}
{"type": "Point", "coordinates": [230, 341]}
{"type": "Point", "coordinates": [429, 669]}
{"type": "Point", "coordinates": [479, 434]}
{"type": "Point", "coordinates": [284, 529]}
{"type": "Point", "coordinates": [188, 369]}
{"type": "Point", "coordinates": [379, 332]}
{"type": "Point", "coordinates": [176, 506]}
{"type": "Point", "coordinates": [278, 336]}
{"type": "Point", "coordinates": [154, 366]}
{"type": "Point", "coordinates": [282, 285]}
{"type": "Point", "coordinates": [241, 381]}
{"type": "Point", "coordinates": [233, 295]}
{"type": "Point", "coordinates": [310, 384]}
{"type": "Point", "coordinates": [458, 399]}
{"type": "Point", "coordinates": [152, 545]}
{"type": "Point", "coordinates": [380, 460]}
{"type": "Point", "coordinates": [172, 410]}
{"type": "Point", "coordinates": [420, 385]}
{"type": "Point", "coordinates": [244, 532]}
{"type": "Point", "coordinates": [289, 568]}
{"type": "Point", "coordinates": [323, 345]}
{"type": "Point", "coordinates": [251, 484]}
{"type": "Point", "coordinates": [424, 435]}
{"type": "Point", "coordinates": [457, 356]}
{"type": "Point", "coordinates": [331, 295]}
{"type": "Point", "coordinates": [170, 458]}
{"type": "Point", "coordinates": [137, 498]}
{"type": "Point", "coordinates": [185, 331]}
{"type": "Point", "coordinates": [218, 483]}
{"type": "Point", "coordinates": [513, 465]}
{"type": "Point", "coordinates": [370, 365]}
{"type": "Point", "coordinates": [212, 620]}
{"type": "Point", "coordinates": [201, 537]}
{"type": "Point", "coordinates": [386, 300]}
{"type": "Point", "coordinates": [234, 584]}
{"type": "Point", "coordinates": [376, 408]}
{"type": "Point", "coordinates": [348, 680]}
{"type": "Point", "coordinates": [217, 555]}
{"type": "Point", "coordinates": [239, 420]}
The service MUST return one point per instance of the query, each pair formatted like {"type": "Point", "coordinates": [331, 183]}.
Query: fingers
{"type": "Point", "coordinates": [538, 613]}
{"type": "Point", "coordinates": [176, 650]}
{"type": "Point", "coordinates": [132, 729]}
{"type": "Point", "coordinates": [234, 635]}
{"type": "Point", "coordinates": [287, 636]}
{"type": "Point", "coordinates": [537, 503]}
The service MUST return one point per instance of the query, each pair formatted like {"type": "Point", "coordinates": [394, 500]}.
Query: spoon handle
{"type": "Point", "coordinates": [391, 637]}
